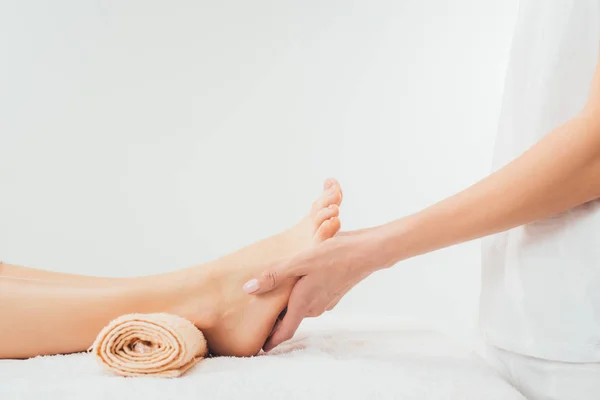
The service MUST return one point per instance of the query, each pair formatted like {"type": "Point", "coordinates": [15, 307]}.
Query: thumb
{"type": "Point", "coordinates": [270, 279]}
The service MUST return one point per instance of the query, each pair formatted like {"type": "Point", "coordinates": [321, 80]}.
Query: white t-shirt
{"type": "Point", "coordinates": [541, 282]}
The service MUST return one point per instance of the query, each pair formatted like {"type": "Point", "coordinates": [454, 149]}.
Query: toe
{"type": "Point", "coordinates": [333, 183]}
{"type": "Point", "coordinates": [328, 229]}
{"type": "Point", "coordinates": [330, 182]}
{"type": "Point", "coordinates": [333, 210]}
{"type": "Point", "coordinates": [331, 196]}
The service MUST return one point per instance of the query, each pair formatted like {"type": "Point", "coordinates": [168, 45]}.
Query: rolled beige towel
{"type": "Point", "coordinates": [159, 345]}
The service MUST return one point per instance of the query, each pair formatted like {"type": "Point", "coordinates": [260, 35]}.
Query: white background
{"type": "Point", "coordinates": [143, 136]}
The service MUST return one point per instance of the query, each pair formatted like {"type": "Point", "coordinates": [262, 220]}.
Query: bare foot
{"type": "Point", "coordinates": [242, 322]}
{"type": "Point", "coordinates": [310, 229]}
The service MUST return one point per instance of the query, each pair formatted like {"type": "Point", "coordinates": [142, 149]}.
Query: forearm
{"type": "Point", "coordinates": [560, 172]}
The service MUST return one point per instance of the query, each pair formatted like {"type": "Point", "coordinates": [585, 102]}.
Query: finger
{"type": "Point", "coordinates": [284, 331]}
{"type": "Point", "coordinates": [317, 311]}
{"type": "Point", "coordinates": [270, 279]}
{"type": "Point", "coordinates": [275, 327]}
{"type": "Point", "coordinates": [333, 303]}
{"type": "Point", "coordinates": [290, 322]}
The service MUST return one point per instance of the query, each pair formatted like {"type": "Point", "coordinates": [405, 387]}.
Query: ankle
{"type": "Point", "coordinates": [195, 296]}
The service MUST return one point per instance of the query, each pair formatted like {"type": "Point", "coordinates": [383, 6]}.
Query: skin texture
{"type": "Point", "coordinates": [560, 172]}
{"type": "Point", "coordinates": [43, 313]}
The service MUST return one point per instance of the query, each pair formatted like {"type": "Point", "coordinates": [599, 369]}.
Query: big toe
{"type": "Point", "coordinates": [332, 183]}
{"type": "Point", "coordinates": [332, 194]}
{"type": "Point", "coordinates": [328, 229]}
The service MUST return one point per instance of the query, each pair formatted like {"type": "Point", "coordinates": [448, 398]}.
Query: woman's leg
{"type": "Point", "coordinates": [40, 317]}
{"type": "Point", "coordinates": [18, 271]}
{"type": "Point", "coordinates": [48, 317]}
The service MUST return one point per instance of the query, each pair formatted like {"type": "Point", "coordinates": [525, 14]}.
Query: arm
{"type": "Point", "coordinates": [558, 173]}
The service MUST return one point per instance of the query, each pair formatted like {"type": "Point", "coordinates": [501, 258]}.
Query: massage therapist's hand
{"type": "Point", "coordinates": [327, 272]}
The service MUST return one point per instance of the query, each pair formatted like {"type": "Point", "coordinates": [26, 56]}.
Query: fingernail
{"type": "Point", "coordinates": [251, 286]}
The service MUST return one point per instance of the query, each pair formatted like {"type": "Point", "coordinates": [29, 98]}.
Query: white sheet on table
{"type": "Point", "coordinates": [341, 360]}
